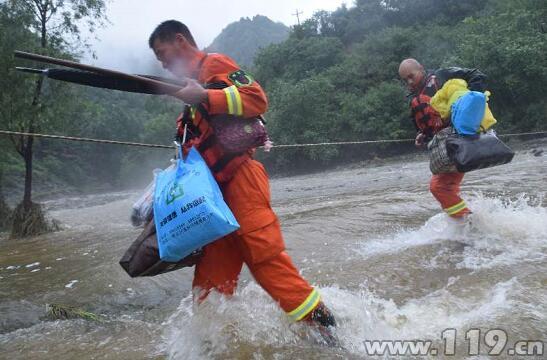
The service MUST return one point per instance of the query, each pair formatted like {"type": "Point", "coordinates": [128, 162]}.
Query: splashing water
{"type": "Point", "coordinates": [251, 323]}
{"type": "Point", "coordinates": [372, 240]}
{"type": "Point", "coordinates": [499, 231]}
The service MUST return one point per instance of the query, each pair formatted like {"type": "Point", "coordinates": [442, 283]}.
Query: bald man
{"type": "Point", "coordinates": [422, 85]}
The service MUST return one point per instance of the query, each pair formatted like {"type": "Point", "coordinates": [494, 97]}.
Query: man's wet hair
{"type": "Point", "coordinates": [168, 30]}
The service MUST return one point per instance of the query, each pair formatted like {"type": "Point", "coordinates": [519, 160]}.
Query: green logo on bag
{"type": "Point", "coordinates": [174, 192]}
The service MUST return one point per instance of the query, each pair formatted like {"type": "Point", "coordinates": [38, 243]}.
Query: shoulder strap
{"type": "Point", "coordinates": [430, 89]}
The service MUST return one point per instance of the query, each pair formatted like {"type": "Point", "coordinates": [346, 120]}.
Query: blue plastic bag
{"type": "Point", "coordinates": [189, 210]}
{"type": "Point", "coordinates": [468, 112]}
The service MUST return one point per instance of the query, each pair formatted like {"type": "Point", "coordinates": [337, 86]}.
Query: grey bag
{"type": "Point", "coordinates": [143, 257]}
{"type": "Point", "coordinates": [439, 161]}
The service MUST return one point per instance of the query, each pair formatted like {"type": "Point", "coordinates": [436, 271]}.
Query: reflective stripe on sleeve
{"type": "Point", "coordinates": [306, 307]}
{"type": "Point", "coordinates": [233, 99]}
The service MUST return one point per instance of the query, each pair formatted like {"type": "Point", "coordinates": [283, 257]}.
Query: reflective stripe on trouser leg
{"type": "Point", "coordinates": [445, 188]}
{"type": "Point", "coordinates": [233, 99]}
{"type": "Point", "coordinates": [456, 209]}
{"type": "Point", "coordinates": [306, 307]}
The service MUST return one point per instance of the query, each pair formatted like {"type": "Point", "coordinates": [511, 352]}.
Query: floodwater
{"type": "Point", "coordinates": [388, 263]}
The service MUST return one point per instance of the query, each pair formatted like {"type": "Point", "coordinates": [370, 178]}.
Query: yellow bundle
{"type": "Point", "coordinates": [451, 91]}
{"type": "Point", "coordinates": [489, 120]}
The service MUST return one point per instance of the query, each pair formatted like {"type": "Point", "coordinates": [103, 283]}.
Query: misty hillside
{"type": "Point", "coordinates": [334, 78]}
{"type": "Point", "coordinates": [242, 39]}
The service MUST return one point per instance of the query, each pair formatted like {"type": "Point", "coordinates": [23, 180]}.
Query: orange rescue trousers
{"type": "Point", "coordinates": [259, 244]}
{"type": "Point", "coordinates": [446, 189]}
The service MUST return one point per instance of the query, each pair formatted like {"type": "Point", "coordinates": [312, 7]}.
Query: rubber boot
{"type": "Point", "coordinates": [323, 321]}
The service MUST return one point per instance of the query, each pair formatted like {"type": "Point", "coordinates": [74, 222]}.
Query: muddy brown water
{"type": "Point", "coordinates": [371, 238]}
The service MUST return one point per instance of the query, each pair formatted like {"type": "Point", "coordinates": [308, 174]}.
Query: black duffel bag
{"type": "Point", "coordinates": [143, 257]}
{"type": "Point", "coordinates": [470, 153]}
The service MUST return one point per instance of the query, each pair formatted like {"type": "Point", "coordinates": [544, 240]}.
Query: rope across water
{"type": "Point", "coordinates": [281, 146]}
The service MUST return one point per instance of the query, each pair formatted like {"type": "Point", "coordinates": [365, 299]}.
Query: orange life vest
{"type": "Point", "coordinates": [230, 91]}
{"type": "Point", "coordinates": [426, 119]}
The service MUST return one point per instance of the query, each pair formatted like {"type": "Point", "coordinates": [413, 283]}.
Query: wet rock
{"type": "Point", "coordinates": [18, 314]}
{"type": "Point", "coordinates": [537, 152]}
{"type": "Point", "coordinates": [31, 222]}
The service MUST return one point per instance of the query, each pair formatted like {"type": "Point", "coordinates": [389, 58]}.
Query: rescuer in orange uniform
{"type": "Point", "coordinates": [423, 85]}
{"type": "Point", "coordinates": [216, 85]}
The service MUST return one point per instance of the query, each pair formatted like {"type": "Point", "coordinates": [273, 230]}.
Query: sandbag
{"type": "Point", "coordinates": [470, 153]}
{"type": "Point", "coordinates": [143, 257]}
{"type": "Point", "coordinates": [439, 161]}
{"type": "Point", "coordinates": [189, 209]}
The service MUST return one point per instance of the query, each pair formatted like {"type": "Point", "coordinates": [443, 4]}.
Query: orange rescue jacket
{"type": "Point", "coordinates": [230, 91]}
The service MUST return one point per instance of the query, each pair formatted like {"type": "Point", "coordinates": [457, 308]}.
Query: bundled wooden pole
{"type": "Point", "coordinates": [162, 86]}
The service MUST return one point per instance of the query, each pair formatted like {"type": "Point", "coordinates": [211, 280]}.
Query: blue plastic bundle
{"type": "Point", "coordinates": [189, 210]}
{"type": "Point", "coordinates": [468, 113]}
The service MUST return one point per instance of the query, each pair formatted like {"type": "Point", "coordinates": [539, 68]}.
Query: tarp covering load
{"type": "Point", "coordinates": [143, 257]}
{"type": "Point", "coordinates": [189, 209]}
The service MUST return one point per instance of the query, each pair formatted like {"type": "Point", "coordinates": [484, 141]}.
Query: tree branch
{"type": "Point", "coordinates": [53, 10]}
{"type": "Point", "coordinates": [32, 8]}
{"type": "Point", "coordinates": [38, 4]}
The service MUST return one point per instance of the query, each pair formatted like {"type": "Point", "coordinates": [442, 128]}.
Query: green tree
{"type": "Point", "coordinates": [292, 107]}
{"type": "Point", "coordinates": [509, 45]}
{"type": "Point", "coordinates": [334, 78]}
{"type": "Point", "coordinates": [15, 86]}
{"type": "Point", "coordinates": [350, 57]}
{"type": "Point", "coordinates": [377, 114]}
{"type": "Point", "coordinates": [297, 59]}
{"type": "Point", "coordinates": [56, 24]}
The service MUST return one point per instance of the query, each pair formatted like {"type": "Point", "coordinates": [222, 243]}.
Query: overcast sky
{"type": "Point", "coordinates": [123, 43]}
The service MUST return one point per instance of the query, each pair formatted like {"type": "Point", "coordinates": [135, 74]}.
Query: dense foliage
{"type": "Point", "coordinates": [336, 77]}
{"type": "Point", "coordinates": [333, 79]}
{"type": "Point", "coordinates": [70, 110]}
